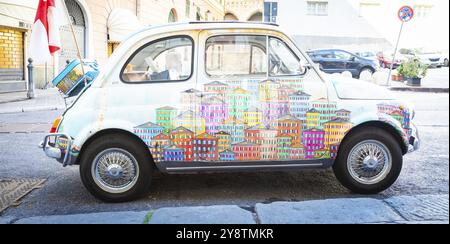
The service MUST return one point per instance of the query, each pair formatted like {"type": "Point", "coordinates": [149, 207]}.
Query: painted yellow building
{"type": "Point", "coordinates": [268, 91]}
{"type": "Point", "coordinates": [191, 122]}
{"type": "Point", "coordinates": [335, 131]}
{"type": "Point", "coordinates": [312, 119]}
{"type": "Point", "coordinates": [253, 117]}
{"type": "Point", "coordinates": [224, 141]}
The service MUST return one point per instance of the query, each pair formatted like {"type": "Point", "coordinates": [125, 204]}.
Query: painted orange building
{"type": "Point", "coordinates": [183, 138]}
{"type": "Point", "coordinates": [157, 146]}
{"type": "Point", "coordinates": [290, 126]}
{"type": "Point", "coordinates": [247, 151]}
{"type": "Point", "coordinates": [206, 148]}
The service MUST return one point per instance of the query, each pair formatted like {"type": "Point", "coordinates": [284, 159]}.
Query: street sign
{"type": "Point", "coordinates": [406, 13]}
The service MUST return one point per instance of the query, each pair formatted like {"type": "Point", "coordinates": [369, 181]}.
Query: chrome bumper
{"type": "Point", "coordinates": [414, 140]}
{"type": "Point", "coordinates": [59, 151]}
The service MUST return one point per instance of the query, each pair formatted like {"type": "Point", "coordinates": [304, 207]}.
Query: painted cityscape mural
{"type": "Point", "coordinates": [249, 120]}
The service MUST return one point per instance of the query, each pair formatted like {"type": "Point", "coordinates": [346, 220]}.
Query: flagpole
{"type": "Point", "coordinates": [75, 39]}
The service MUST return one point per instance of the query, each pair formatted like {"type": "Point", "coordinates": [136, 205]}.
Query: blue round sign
{"type": "Point", "coordinates": [406, 13]}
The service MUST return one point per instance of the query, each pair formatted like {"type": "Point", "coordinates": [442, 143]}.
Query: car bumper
{"type": "Point", "coordinates": [58, 146]}
{"type": "Point", "coordinates": [414, 139]}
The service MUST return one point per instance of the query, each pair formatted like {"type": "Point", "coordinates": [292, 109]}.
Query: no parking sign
{"type": "Point", "coordinates": [406, 13]}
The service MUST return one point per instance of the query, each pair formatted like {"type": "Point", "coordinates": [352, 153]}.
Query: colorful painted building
{"type": "Point", "coordinates": [227, 156]}
{"type": "Point", "coordinates": [268, 91]}
{"type": "Point", "coordinates": [327, 110]}
{"type": "Point", "coordinates": [312, 119]}
{"type": "Point", "coordinates": [398, 115]}
{"type": "Point", "coordinates": [274, 110]}
{"type": "Point", "coordinates": [191, 121]}
{"type": "Point", "coordinates": [216, 87]}
{"type": "Point", "coordinates": [322, 154]}
{"type": "Point", "coordinates": [206, 148]}
{"type": "Point", "coordinates": [158, 145]}
{"type": "Point", "coordinates": [238, 102]}
{"type": "Point", "coordinates": [266, 137]}
{"type": "Point", "coordinates": [334, 149]}
{"type": "Point", "coordinates": [335, 131]}
{"type": "Point", "coordinates": [284, 142]}
{"type": "Point", "coordinates": [173, 153]}
{"type": "Point", "coordinates": [284, 92]}
{"type": "Point", "coordinates": [190, 99]}
{"type": "Point", "coordinates": [214, 111]}
{"type": "Point", "coordinates": [234, 127]}
{"type": "Point", "coordinates": [313, 140]}
{"type": "Point", "coordinates": [246, 151]}
{"type": "Point", "coordinates": [296, 152]}
{"type": "Point", "coordinates": [183, 138]}
{"type": "Point", "coordinates": [224, 140]}
{"type": "Point", "coordinates": [343, 114]}
{"type": "Point", "coordinates": [291, 126]}
{"type": "Point", "coordinates": [299, 105]}
{"type": "Point", "coordinates": [253, 116]}
{"type": "Point", "coordinates": [165, 117]}
{"type": "Point", "coordinates": [147, 131]}
{"type": "Point", "coordinates": [296, 84]}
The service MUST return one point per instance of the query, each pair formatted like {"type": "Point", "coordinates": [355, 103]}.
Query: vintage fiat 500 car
{"type": "Point", "coordinates": [223, 97]}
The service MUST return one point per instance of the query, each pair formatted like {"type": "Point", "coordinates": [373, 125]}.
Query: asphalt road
{"type": "Point", "coordinates": [424, 172]}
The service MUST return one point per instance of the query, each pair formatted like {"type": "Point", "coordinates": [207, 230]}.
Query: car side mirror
{"type": "Point", "coordinates": [352, 59]}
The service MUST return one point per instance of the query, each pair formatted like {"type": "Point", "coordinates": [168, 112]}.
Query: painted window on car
{"type": "Point", "coordinates": [165, 60]}
{"type": "Point", "coordinates": [282, 61]}
{"type": "Point", "coordinates": [236, 55]}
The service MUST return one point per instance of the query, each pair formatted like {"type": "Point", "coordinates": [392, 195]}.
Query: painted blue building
{"type": "Point", "coordinates": [173, 153]}
{"type": "Point", "coordinates": [299, 105]}
{"type": "Point", "coordinates": [148, 131]}
{"type": "Point", "coordinates": [227, 156]}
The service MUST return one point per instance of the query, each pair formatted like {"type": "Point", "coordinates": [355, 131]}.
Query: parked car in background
{"type": "Point", "coordinates": [368, 55]}
{"type": "Point", "coordinates": [337, 61]}
{"type": "Point", "coordinates": [432, 58]}
{"type": "Point", "coordinates": [172, 98]}
{"type": "Point", "coordinates": [387, 58]}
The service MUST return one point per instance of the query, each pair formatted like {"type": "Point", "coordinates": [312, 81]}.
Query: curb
{"type": "Point", "coordinates": [418, 209]}
{"type": "Point", "coordinates": [420, 89]}
{"type": "Point", "coordinates": [31, 109]}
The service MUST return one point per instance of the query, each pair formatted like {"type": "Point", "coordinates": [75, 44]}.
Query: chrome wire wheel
{"type": "Point", "coordinates": [115, 170]}
{"type": "Point", "coordinates": [369, 162]}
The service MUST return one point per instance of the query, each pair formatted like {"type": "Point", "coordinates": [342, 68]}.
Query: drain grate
{"type": "Point", "coordinates": [11, 191]}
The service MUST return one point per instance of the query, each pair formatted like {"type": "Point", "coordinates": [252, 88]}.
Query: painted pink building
{"type": "Point", "coordinates": [313, 140]}
{"type": "Point", "coordinates": [214, 111]}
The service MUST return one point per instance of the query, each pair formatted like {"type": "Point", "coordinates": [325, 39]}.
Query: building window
{"type": "Point", "coordinates": [270, 12]}
{"type": "Point", "coordinates": [317, 8]}
{"type": "Point", "coordinates": [173, 17]}
{"type": "Point", "coordinates": [422, 11]}
{"type": "Point", "coordinates": [188, 8]}
{"type": "Point", "coordinates": [368, 9]}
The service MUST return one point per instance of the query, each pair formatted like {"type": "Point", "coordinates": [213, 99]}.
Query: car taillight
{"type": "Point", "coordinates": [55, 125]}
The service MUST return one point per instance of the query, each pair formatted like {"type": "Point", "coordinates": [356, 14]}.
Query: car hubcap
{"type": "Point", "coordinates": [369, 162]}
{"type": "Point", "coordinates": [115, 170]}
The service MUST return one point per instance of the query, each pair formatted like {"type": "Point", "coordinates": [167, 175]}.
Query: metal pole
{"type": "Point", "coordinates": [30, 93]}
{"type": "Point", "coordinates": [395, 54]}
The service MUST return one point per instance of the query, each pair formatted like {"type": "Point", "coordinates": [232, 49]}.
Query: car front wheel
{"type": "Point", "coordinates": [116, 169]}
{"type": "Point", "coordinates": [369, 161]}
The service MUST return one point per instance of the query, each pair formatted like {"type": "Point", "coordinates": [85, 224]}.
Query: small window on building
{"type": "Point", "coordinates": [319, 8]}
{"type": "Point", "coordinates": [236, 56]}
{"type": "Point", "coordinates": [188, 8]}
{"type": "Point", "coordinates": [369, 9]}
{"type": "Point", "coordinates": [164, 60]}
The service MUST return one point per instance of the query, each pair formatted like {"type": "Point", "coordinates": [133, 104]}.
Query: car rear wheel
{"type": "Point", "coordinates": [115, 168]}
{"type": "Point", "coordinates": [366, 73]}
{"type": "Point", "coordinates": [369, 161]}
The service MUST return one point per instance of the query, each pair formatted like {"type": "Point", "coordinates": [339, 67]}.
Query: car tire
{"type": "Point", "coordinates": [445, 62]}
{"type": "Point", "coordinates": [366, 70]}
{"type": "Point", "coordinates": [362, 176]}
{"type": "Point", "coordinates": [116, 168]}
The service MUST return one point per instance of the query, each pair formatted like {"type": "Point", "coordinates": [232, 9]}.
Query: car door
{"type": "Point", "coordinates": [262, 93]}
{"type": "Point", "coordinates": [341, 61]}
{"type": "Point", "coordinates": [157, 71]}
{"type": "Point", "coordinates": [327, 61]}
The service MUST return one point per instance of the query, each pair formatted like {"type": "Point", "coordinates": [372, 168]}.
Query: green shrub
{"type": "Point", "coordinates": [413, 68]}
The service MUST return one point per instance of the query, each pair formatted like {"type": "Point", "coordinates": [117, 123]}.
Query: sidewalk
{"type": "Point", "coordinates": [421, 209]}
{"type": "Point", "coordinates": [17, 102]}
{"type": "Point", "coordinates": [437, 80]}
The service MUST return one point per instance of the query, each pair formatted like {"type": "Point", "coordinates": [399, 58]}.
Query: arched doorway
{"type": "Point", "coordinates": [257, 17]}
{"type": "Point", "coordinates": [230, 17]}
{"type": "Point", "coordinates": [173, 16]}
{"type": "Point", "coordinates": [68, 46]}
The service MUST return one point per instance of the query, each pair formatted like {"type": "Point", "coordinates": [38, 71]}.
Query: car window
{"type": "Point", "coordinates": [164, 60]}
{"type": "Point", "coordinates": [342, 55]}
{"type": "Point", "coordinates": [282, 61]}
{"type": "Point", "coordinates": [236, 55]}
{"type": "Point", "coordinates": [325, 54]}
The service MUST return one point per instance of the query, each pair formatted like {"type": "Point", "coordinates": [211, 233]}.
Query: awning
{"type": "Point", "coordinates": [121, 23]}
{"type": "Point", "coordinates": [15, 13]}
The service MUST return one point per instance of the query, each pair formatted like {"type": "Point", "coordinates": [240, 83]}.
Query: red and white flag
{"type": "Point", "coordinates": [45, 37]}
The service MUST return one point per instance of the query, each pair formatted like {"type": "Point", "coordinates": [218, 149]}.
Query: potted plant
{"type": "Point", "coordinates": [398, 74]}
{"type": "Point", "coordinates": [413, 70]}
